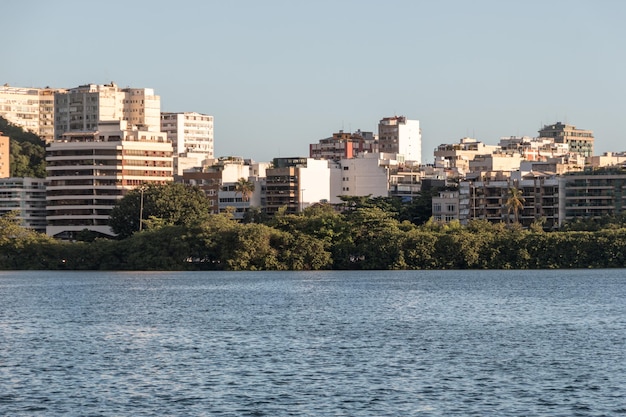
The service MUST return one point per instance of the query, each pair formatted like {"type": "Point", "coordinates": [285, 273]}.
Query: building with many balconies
{"type": "Point", "coordinates": [88, 172]}
{"type": "Point", "coordinates": [578, 140]}
{"type": "Point", "coordinates": [344, 145]}
{"type": "Point", "coordinates": [402, 136]}
{"type": "Point", "coordinates": [27, 197]}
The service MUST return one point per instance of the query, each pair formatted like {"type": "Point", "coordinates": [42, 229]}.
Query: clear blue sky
{"type": "Point", "coordinates": [278, 75]}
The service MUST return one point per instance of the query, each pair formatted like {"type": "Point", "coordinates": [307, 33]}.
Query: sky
{"type": "Point", "coordinates": [279, 75]}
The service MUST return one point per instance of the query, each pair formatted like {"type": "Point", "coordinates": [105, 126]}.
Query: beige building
{"type": "Point", "coordinates": [30, 108]}
{"type": "Point", "coordinates": [191, 135]}
{"type": "Point", "coordinates": [579, 141]}
{"type": "Point", "coordinates": [83, 108]}
{"type": "Point", "coordinates": [607, 159]}
{"type": "Point", "coordinates": [89, 172]}
{"type": "Point", "coordinates": [457, 156]}
{"type": "Point", "coordinates": [5, 156]}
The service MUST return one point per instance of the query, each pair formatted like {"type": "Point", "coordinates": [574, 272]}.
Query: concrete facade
{"type": "Point", "coordinates": [402, 136]}
{"type": "Point", "coordinates": [191, 135]}
{"type": "Point", "coordinates": [579, 141]}
{"type": "Point", "coordinates": [30, 108]}
{"type": "Point", "coordinates": [5, 156]}
{"type": "Point", "coordinates": [89, 172]}
{"type": "Point", "coordinates": [27, 196]}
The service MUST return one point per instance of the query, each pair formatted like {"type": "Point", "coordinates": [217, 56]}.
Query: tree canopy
{"type": "Point", "coordinates": [28, 152]}
{"type": "Point", "coordinates": [158, 205]}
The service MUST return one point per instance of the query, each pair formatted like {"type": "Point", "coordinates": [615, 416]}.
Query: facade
{"type": "Point", "coordinates": [88, 172]}
{"type": "Point", "coordinates": [27, 196]}
{"type": "Point", "coordinates": [296, 183]}
{"type": "Point", "coordinates": [5, 156]}
{"type": "Point", "coordinates": [367, 176]}
{"type": "Point", "coordinates": [344, 146]}
{"type": "Point", "coordinates": [30, 108]}
{"type": "Point", "coordinates": [592, 194]}
{"type": "Point", "coordinates": [579, 141]}
{"type": "Point", "coordinates": [487, 200]}
{"type": "Point", "coordinates": [399, 135]}
{"type": "Point", "coordinates": [608, 159]}
{"type": "Point", "coordinates": [457, 157]}
{"type": "Point", "coordinates": [83, 108]}
{"type": "Point", "coordinates": [191, 135]}
{"type": "Point", "coordinates": [445, 207]}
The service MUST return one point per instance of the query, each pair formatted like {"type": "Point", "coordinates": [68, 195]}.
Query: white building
{"type": "Point", "coordinates": [27, 196]}
{"type": "Point", "coordinates": [88, 172]}
{"type": "Point", "coordinates": [30, 108]}
{"type": "Point", "coordinates": [191, 135]}
{"type": "Point", "coordinates": [367, 175]}
{"type": "Point", "coordinates": [402, 136]}
{"type": "Point", "coordinates": [83, 108]}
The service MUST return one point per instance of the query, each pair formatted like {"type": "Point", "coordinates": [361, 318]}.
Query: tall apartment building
{"type": "Point", "coordinates": [89, 171]}
{"type": "Point", "coordinates": [579, 141]}
{"type": "Point", "coordinates": [400, 135]}
{"type": "Point", "coordinates": [30, 108]}
{"type": "Point", "coordinates": [592, 194]}
{"type": "Point", "coordinates": [191, 135]}
{"type": "Point", "coordinates": [5, 156]}
{"type": "Point", "coordinates": [81, 109]}
{"type": "Point", "coordinates": [344, 145]}
{"type": "Point", "coordinates": [27, 196]}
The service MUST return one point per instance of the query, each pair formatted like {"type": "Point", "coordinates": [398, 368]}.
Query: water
{"type": "Point", "coordinates": [426, 343]}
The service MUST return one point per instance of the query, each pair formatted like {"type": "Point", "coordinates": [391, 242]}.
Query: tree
{"type": "Point", "coordinates": [28, 153]}
{"type": "Point", "coordinates": [170, 204]}
{"type": "Point", "coordinates": [515, 203]}
{"type": "Point", "coordinates": [245, 188]}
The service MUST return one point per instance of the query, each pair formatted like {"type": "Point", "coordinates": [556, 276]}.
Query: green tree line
{"type": "Point", "coordinates": [28, 151]}
{"type": "Point", "coordinates": [319, 238]}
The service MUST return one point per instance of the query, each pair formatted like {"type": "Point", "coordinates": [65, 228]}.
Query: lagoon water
{"type": "Point", "coordinates": [378, 343]}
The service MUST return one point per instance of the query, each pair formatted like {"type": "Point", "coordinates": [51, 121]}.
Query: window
{"type": "Point", "coordinates": [437, 207]}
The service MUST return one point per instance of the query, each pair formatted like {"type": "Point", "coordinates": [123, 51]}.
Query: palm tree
{"type": "Point", "coordinates": [515, 202]}
{"type": "Point", "coordinates": [244, 187]}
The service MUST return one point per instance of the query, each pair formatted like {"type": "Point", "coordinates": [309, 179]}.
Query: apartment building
{"type": "Point", "coordinates": [297, 183]}
{"type": "Point", "coordinates": [191, 135]}
{"type": "Point", "coordinates": [578, 140]}
{"type": "Point", "coordinates": [81, 109]}
{"type": "Point", "coordinates": [446, 206]}
{"type": "Point", "coordinates": [402, 136]}
{"type": "Point", "coordinates": [488, 200]}
{"type": "Point", "coordinates": [30, 108]}
{"type": "Point", "coordinates": [26, 196]}
{"type": "Point", "coordinates": [344, 145]}
{"type": "Point", "coordinates": [89, 171]}
{"type": "Point", "coordinates": [592, 194]}
{"type": "Point", "coordinates": [367, 175]}
{"type": "Point", "coordinates": [457, 156]}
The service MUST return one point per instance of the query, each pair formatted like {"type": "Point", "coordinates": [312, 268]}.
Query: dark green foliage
{"type": "Point", "coordinates": [28, 152]}
{"type": "Point", "coordinates": [365, 237]}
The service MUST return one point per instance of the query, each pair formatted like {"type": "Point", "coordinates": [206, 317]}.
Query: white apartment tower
{"type": "Point", "coordinates": [88, 172]}
{"type": "Point", "coordinates": [191, 135]}
{"type": "Point", "coordinates": [30, 108]}
{"type": "Point", "coordinates": [401, 136]}
{"type": "Point", "coordinates": [81, 109]}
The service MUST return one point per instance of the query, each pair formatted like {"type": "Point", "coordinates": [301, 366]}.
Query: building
{"type": "Point", "coordinates": [399, 135]}
{"type": "Point", "coordinates": [579, 141]}
{"type": "Point", "coordinates": [30, 108]}
{"type": "Point", "coordinates": [592, 194]}
{"type": "Point", "coordinates": [368, 175]}
{"type": "Point", "coordinates": [296, 183]}
{"type": "Point", "coordinates": [343, 145]}
{"type": "Point", "coordinates": [89, 171]}
{"type": "Point", "coordinates": [445, 206]}
{"type": "Point", "coordinates": [457, 156]}
{"type": "Point", "coordinates": [487, 200]}
{"type": "Point", "coordinates": [191, 135]}
{"type": "Point", "coordinates": [27, 196]}
{"type": "Point", "coordinates": [5, 156]}
{"type": "Point", "coordinates": [608, 159]}
{"type": "Point", "coordinates": [83, 108]}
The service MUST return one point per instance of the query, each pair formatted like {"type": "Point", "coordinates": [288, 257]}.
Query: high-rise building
{"type": "Point", "coordinates": [30, 108]}
{"type": "Point", "coordinates": [81, 109]}
{"type": "Point", "coordinates": [191, 135]}
{"type": "Point", "coordinates": [402, 136]}
{"type": "Point", "coordinates": [579, 141]}
{"type": "Point", "coordinates": [5, 156]}
{"type": "Point", "coordinates": [89, 171]}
